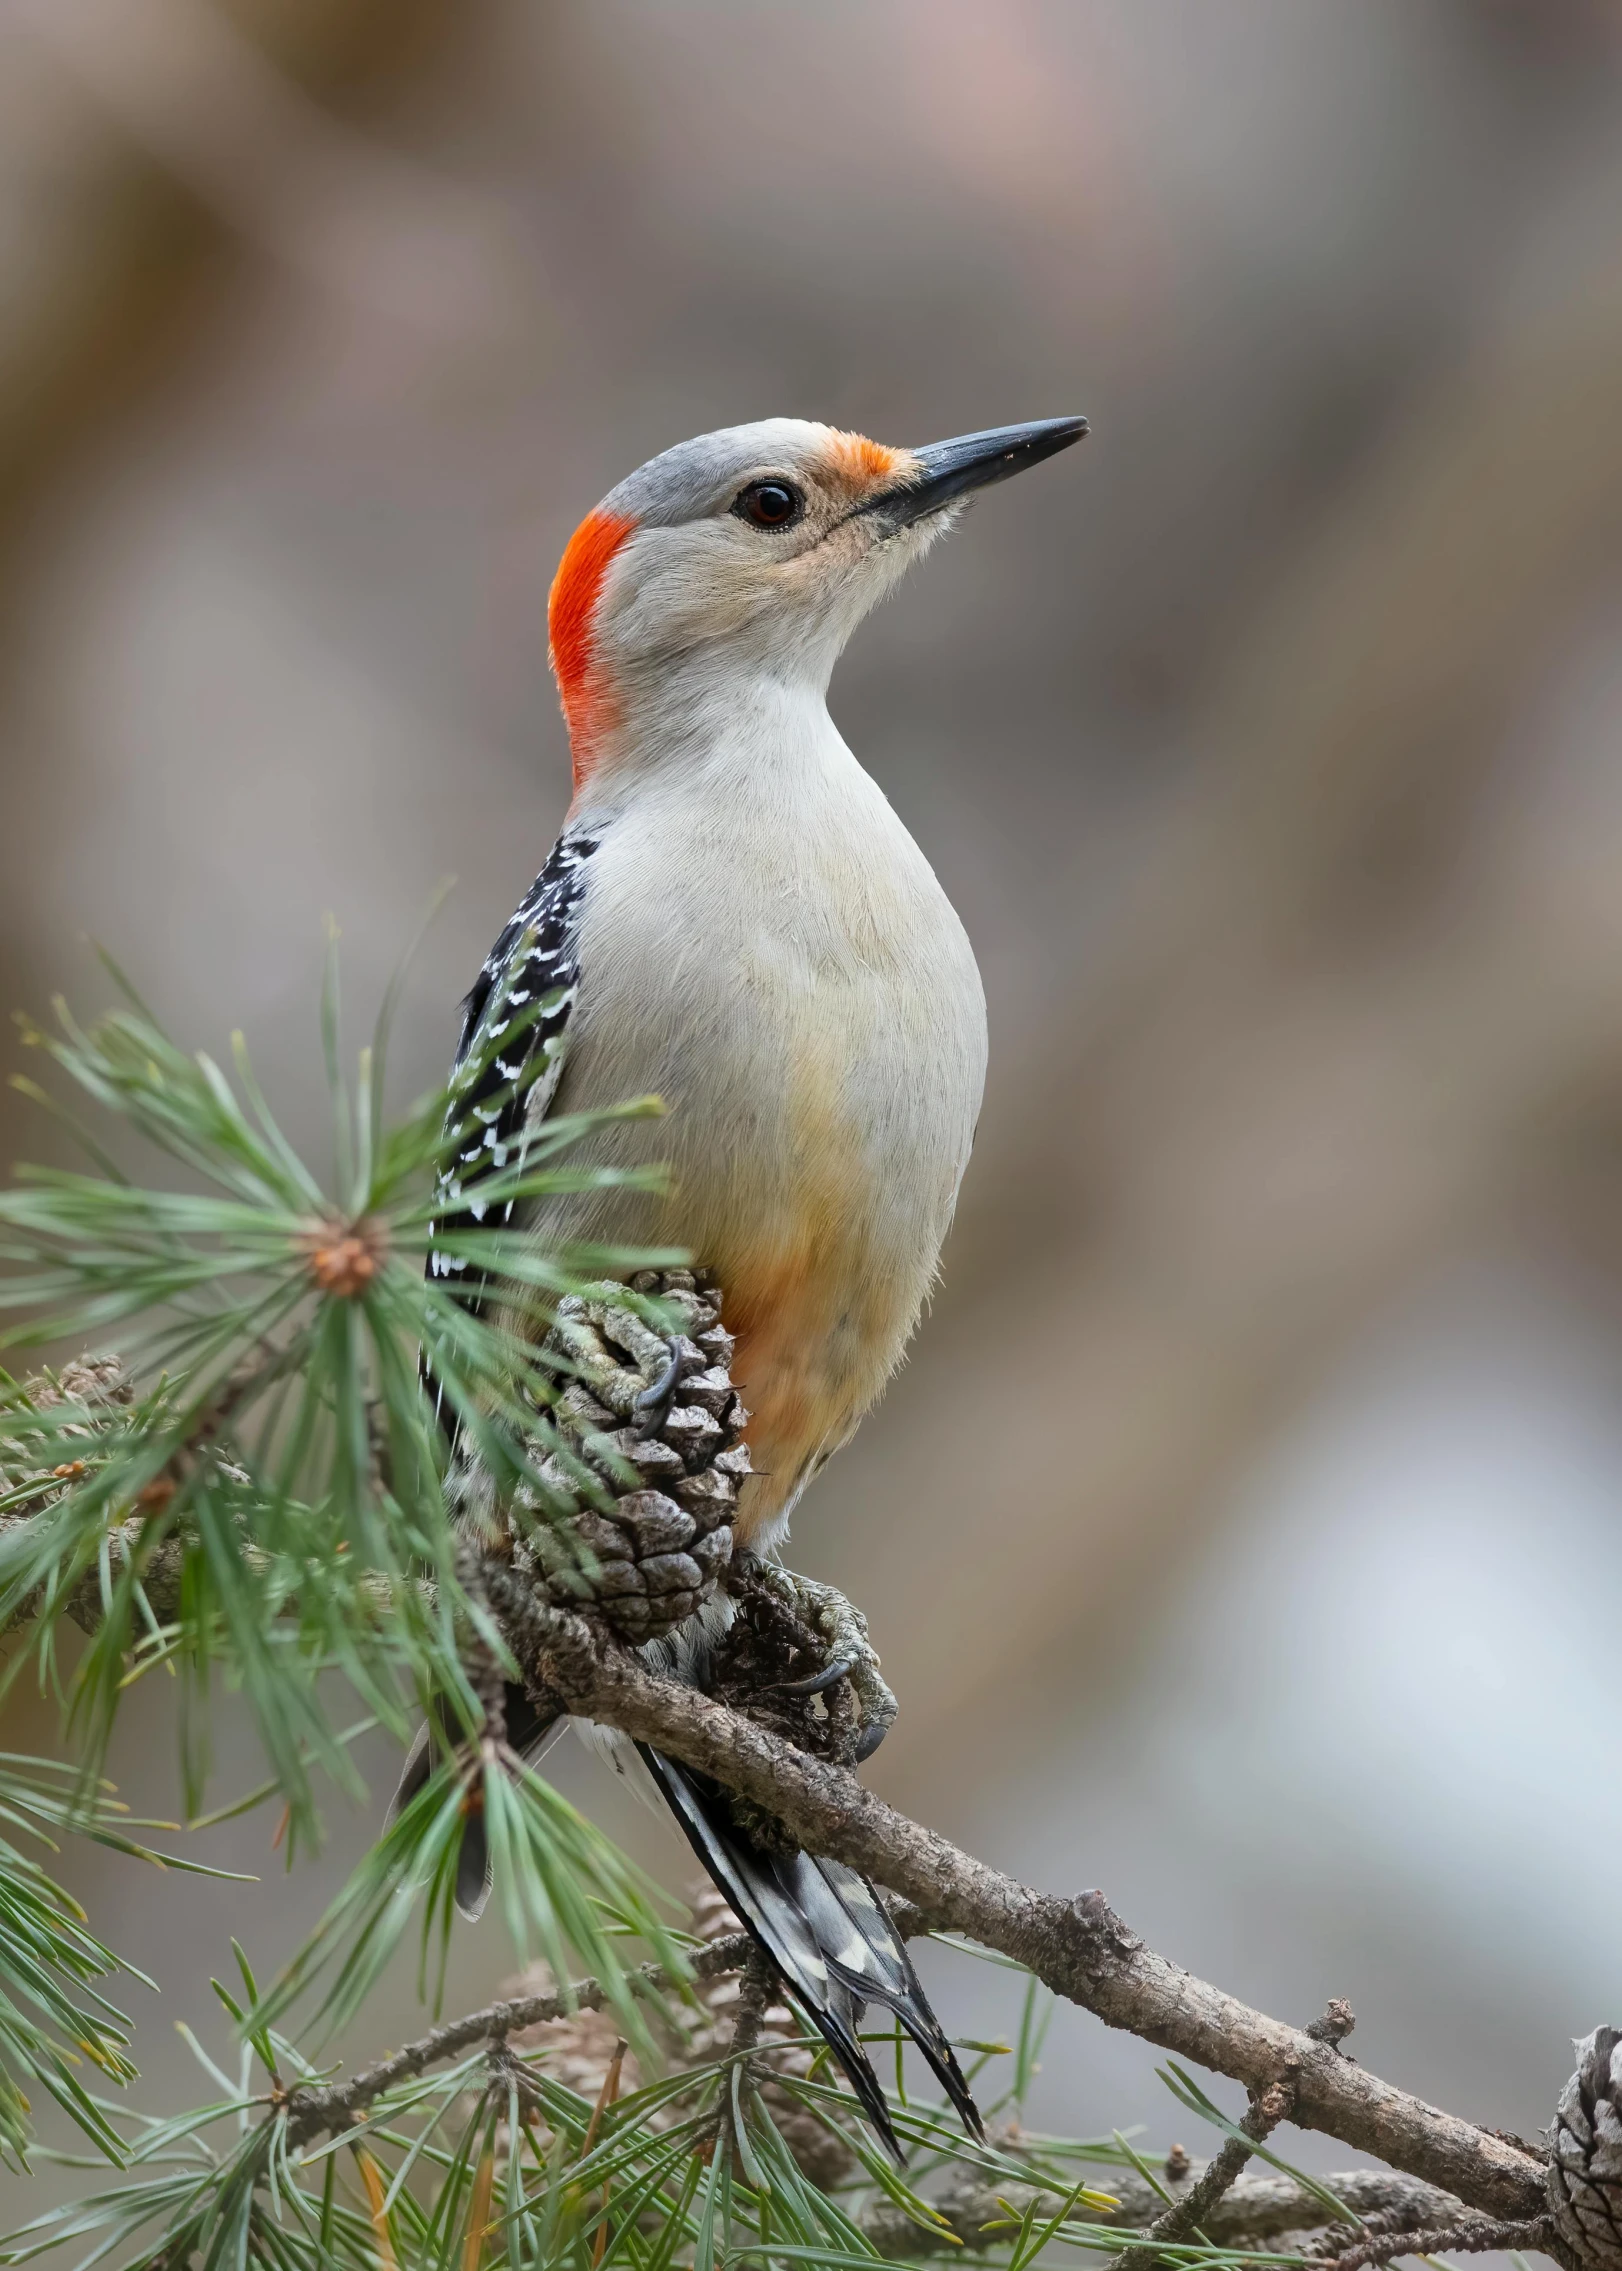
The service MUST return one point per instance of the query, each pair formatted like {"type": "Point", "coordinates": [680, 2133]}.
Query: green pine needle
{"type": "Point", "coordinates": [54, 2024]}
{"type": "Point", "coordinates": [260, 1500]}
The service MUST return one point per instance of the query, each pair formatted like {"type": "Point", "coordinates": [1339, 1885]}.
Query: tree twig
{"type": "Point", "coordinates": [754, 1995]}
{"type": "Point", "coordinates": [1473, 2237]}
{"type": "Point", "coordinates": [1079, 1947]}
{"type": "Point", "coordinates": [1251, 2212]}
{"type": "Point", "coordinates": [1267, 2108]}
{"type": "Point", "coordinates": [749, 2016]}
{"type": "Point", "coordinates": [314, 2108]}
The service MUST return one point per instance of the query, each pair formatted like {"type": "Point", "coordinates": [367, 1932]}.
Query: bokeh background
{"type": "Point", "coordinates": [1243, 1535]}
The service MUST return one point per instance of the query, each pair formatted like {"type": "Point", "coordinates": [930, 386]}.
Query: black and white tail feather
{"type": "Point", "coordinates": [822, 1925]}
{"type": "Point", "coordinates": [829, 1935]}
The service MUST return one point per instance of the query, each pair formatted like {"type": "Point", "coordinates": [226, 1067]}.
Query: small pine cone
{"type": "Point", "coordinates": [1585, 2154]}
{"type": "Point", "coordinates": [650, 1558]}
{"type": "Point", "coordinates": [88, 1380]}
{"type": "Point", "coordinates": [100, 1383]}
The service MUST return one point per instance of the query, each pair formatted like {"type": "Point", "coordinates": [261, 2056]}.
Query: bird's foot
{"type": "Point", "coordinates": [850, 1654]}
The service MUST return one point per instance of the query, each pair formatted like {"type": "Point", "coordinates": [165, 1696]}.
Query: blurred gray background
{"type": "Point", "coordinates": [1243, 1534]}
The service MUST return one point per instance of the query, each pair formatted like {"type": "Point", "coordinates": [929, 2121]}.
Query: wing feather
{"type": "Point", "coordinates": [509, 1060]}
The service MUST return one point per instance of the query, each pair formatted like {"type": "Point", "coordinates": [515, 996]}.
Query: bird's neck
{"type": "Point", "coordinates": [714, 731]}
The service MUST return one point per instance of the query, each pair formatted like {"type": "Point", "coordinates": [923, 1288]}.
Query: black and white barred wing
{"type": "Point", "coordinates": [509, 1060]}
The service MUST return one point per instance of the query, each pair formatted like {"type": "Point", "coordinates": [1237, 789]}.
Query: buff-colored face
{"type": "Point", "coordinates": [784, 553]}
{"type": "Point", "coordinates": [754, 550]}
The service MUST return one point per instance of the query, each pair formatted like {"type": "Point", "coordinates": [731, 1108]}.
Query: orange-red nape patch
{"type": "Point", "coordinates": [571, 614]}
{"type": "Point", "coordinates": [863, 463]}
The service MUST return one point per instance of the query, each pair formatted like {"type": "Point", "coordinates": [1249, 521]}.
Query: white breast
{"type": "Point", "coordinates": [764, 946]}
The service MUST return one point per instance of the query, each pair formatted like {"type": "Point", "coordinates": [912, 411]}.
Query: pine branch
{"type": "Point", "coordinates": [720, 2133]}
{"type": "Point", "coordinates": [1247, 2211]}
{"type": "Point", "coordinates": [1475, 2236]}
{"type": "Point", "coordinates": [1251, 2212]}
{"type": "Point", "coordinates": [317, 2108]}
{"type": "Point", "coordinates": [1078, 1947]}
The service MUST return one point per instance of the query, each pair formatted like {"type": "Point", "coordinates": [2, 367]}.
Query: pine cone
{"type": "Point", "coordinates": [654, 1555]}
{"type": "Point", "coordinates": [1585, 2160]}
{"type": "Point", "coordinates": [98, 1382]}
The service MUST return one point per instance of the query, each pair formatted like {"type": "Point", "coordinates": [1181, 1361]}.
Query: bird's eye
{"type": "Point", "coordinates": [770, 504]}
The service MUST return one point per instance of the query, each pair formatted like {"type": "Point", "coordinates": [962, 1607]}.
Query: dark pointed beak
{"type": "Point", "coordinates": [946, 470]}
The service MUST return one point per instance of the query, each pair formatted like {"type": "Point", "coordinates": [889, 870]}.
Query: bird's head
{"type": "Point", "coordinates": [752, 553]}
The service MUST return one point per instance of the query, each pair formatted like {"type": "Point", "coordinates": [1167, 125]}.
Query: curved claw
{"type": "Point", "coordinates": [815, 1683]}
{"type": "Point", "coordinates": [843, 1629]}
{"type": "Point", "coordinates": [652, 1406]}
{"type": "Point", "coordinates": [868, 1741]}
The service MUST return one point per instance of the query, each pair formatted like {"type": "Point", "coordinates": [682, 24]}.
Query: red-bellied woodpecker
{"type": "Point", "coordinates": [735, 919]}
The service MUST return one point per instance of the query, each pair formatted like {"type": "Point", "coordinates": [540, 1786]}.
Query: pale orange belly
{"type": "Point", "coordinates": [819, 1324]}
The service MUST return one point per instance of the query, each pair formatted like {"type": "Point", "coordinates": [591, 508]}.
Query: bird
{"type": "Point", "coordinates": [734, 918]}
